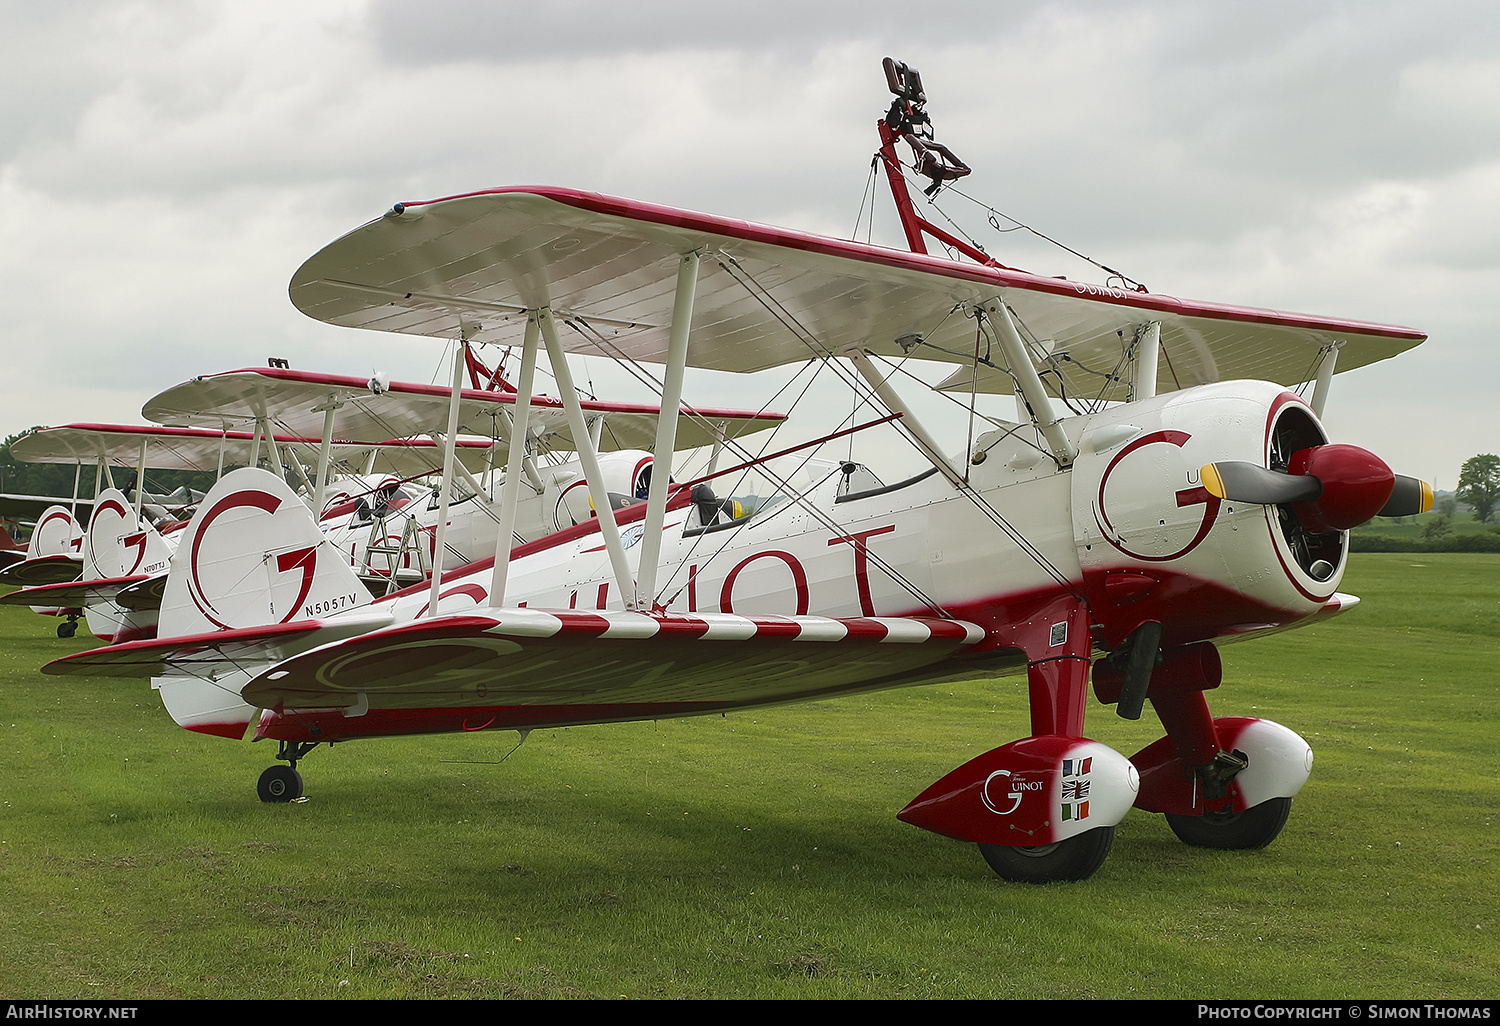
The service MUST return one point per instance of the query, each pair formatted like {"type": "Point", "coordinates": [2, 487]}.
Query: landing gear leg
{"type": "Point", "coordinates": [284, 783]}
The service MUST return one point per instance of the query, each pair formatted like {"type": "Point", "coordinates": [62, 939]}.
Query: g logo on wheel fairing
{"type": "Point", "coordinates": [1185, 497]}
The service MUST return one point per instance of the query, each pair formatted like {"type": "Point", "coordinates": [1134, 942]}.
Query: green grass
{"type": "Point", "coordinates": [757, 855]}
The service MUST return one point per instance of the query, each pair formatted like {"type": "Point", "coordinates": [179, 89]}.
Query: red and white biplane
{"type": "Point", "coordinates": [1193, 497]}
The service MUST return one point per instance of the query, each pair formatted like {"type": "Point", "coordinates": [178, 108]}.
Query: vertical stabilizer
{"type": "Point", "coordinates": [55, 534]}
{"type": "Point", "coordinates": [254, 556]}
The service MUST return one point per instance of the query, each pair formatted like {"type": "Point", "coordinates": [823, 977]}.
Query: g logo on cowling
{"type": "Point", "coordinates": [1185, 497]}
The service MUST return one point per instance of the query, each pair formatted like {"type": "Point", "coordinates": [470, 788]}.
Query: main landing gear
{"type": "Point", "coordinates": [1044, 809]}
{"type": "Point", "coordinates": [1233, 831]}
{"type": "Point", "coordinates": [1076, 858]}
{"type": "Point", "coordinates": [284, 783]}
{"type": "Point", "coordinates": [68, 628]}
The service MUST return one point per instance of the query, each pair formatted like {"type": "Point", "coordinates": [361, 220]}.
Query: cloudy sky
{"type": "Point", "coordinates": [165, 166]}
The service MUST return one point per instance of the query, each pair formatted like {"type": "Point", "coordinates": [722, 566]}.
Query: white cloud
{"type": "Point", "coordinates": [166, 166]}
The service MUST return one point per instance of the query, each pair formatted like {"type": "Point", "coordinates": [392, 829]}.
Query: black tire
{"type": "Point", "coordinates": [1254, 828]}
{"type": "Point", "coordinates": [279, 784]}
{"type": "Point", "coordinates": [1077, 858]}
{"type": "Point", "coordinates": [68, 629]}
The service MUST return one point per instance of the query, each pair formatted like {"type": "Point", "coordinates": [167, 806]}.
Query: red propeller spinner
{"type": "Point", "coordinates": [1330, 487]}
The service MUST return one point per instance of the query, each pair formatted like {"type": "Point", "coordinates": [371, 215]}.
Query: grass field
{"type": "Point", "coordinates": [757, 855]}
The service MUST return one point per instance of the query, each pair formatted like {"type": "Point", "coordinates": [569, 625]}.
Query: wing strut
{"type": "Point", "coordinates": [1148, 352]}
{"type": "Point", "coordinates": [589, 457]}
{"type": "Point", "coordinates": [320, 496]}
{"type": "Point", "coordinates": [892, 400]}
{"type": "Point", "coordinates": [1325, 377]}
{"type": "Point", "coordinates": [510, 491]}
{"type": "Point", "coordinates": [450, 438]}
{"type": "Point", "coordinates": [1042, 412]}
{"type": "Point", "coordinates": [666, 426]}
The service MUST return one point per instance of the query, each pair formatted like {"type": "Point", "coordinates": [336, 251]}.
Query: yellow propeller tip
{"type": "Point", "coordinates": [1214, 484]}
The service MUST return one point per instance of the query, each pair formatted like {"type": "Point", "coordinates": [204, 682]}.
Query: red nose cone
{"type": "Point", "coordinates": [1356, 486]}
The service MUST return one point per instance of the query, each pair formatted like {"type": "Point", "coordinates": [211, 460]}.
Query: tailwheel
{"type": "Point", "coordinates": [1256, 827]}
{"type": "Point", "coordinates": [1076, 858]}
{"type": "Point", "coordinates": [279, 784]}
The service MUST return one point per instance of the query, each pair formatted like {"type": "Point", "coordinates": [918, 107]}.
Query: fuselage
{"type": "Point", "coordinates": [1128, 523]}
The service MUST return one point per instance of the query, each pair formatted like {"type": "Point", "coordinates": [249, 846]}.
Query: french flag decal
{"type": "Point", "coordinates": [1077, 767]}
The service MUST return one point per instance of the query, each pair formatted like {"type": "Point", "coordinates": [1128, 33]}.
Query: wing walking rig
{"type": "Point", "coordinates": [1196, 500]}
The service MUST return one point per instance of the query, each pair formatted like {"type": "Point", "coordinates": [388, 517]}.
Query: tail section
{"type": "Point", "coordinates": [56, 534]}
{"type": "Point", "coordinates": [253, 556]}
{"type": "Point", "coordinates": [118, 543]}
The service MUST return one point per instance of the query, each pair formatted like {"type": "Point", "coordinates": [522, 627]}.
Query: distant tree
{"type": "Point", "coordinates": [1439, 526]}
{"type": "Point", "coordinates": [1479, 485]}
{"type": "Point", "coordinates": [1447, 505]}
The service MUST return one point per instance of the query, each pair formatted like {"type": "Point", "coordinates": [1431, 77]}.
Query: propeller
{"type": "Point", "coordinates": [1329, 487]}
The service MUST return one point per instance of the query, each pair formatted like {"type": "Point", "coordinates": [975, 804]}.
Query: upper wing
{"type": "Point", "coordinates": [295, 400]}
{"type": "Point", "coordinates": [29, 506]}
{"type": "Point", "coordinates": [767, 296]}
{"type": "Point", "coordinates": [581, 662]}
{"type": "Point", "coordinates": [198, 448]}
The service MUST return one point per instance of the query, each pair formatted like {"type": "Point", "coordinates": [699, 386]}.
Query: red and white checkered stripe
{"type": "Point", "coordinates": [535, 623]}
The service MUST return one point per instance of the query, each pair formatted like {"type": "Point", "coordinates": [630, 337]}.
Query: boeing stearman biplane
{"type": "Point", "coordinates": [1195, 498]}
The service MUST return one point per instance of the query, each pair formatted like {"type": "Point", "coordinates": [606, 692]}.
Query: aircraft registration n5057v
{"type": "Point", "coordinates": [1165, 483]}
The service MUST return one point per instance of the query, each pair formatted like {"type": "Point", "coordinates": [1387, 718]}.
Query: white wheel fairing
{"type": "Point", "coordinates": [1095, 787]}
{"type": "Point", "coordinates": [1280, 760]}
{"type": "Point", "coordinates": [1029, 793]}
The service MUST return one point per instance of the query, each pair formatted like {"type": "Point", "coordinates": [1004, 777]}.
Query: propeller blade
{"type": "Point", "coordinates": [1410, 497]}
{"type": "Point", "coordinates": [1250, 482]}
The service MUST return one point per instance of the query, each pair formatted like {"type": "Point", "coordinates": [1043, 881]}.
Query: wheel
{"type": "Point", "coordinates": [68, 629]}
{"type": "Point", "coordinates": [1077, 858]}
{"type": "Point", "coordinates": [1256, 827]}
{"type": "Point", "coordinates": [279, 784]}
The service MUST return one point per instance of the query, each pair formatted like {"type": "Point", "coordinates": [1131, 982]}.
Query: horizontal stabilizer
{"type": "Point", "coordinates": [30, 573]}
{"type": "Point", "coordinates": [72, 594]}
{"type": "Point", "coordinates": [215, 651]}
